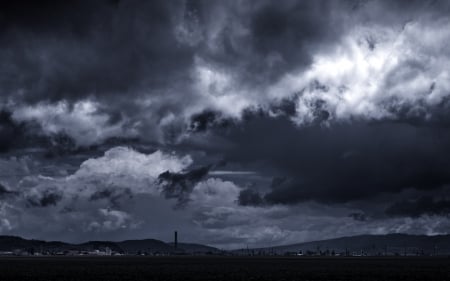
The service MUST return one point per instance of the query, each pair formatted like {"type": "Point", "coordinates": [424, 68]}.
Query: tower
{"type": "Point", "coordinates": [175, 239]}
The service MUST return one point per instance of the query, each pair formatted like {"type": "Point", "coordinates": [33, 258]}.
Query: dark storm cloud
{"type": "Point", "coordinates": [425, 205]}
{"type": "Point", "coordinates": [5, 191]}
{"type": "Point", "coordinates": [114, 196]}
{"type": "Point", "coordinates": [180, 185]}
{"type": "Point", "coordinates": [137, 51]}
{"type": "Point", "coordinates": [341, 163]}
{"type": "Point", "coordinates": [202, 121]}
{"type": "Point", "coordinates": [46, 16]}
{"type": "Point", "coordinates": [46, 199]}
{"type": "Point", "coordinates": [16, 135]}
{"type": "Point", "coordinates": [56, 51]}
{"type": "Point", "coordinates": [249, 197]}
{"type": "Point", "coordinates": [358, 216]}
{"type": "Point", "coordinates": [281, 36]}
{"type": "Point", "coordinates": [133, 50]}
{"type": "Point", "coordinates": [10, 132]}
{"type": "Point", "coordinates": [285, 106]}
{"type": "Point", "coordinates": [60, 144]}
{"type": "Point", "coordinates": [288, 30]}
{"type": "Point", "coordinates": [81, 49]}
{"type": "Point", "coordinates": [206, 120]}
{"type": "Point", "coordinates": [421, 114]}
{"type": "Point", "coordinates": [101, 194]}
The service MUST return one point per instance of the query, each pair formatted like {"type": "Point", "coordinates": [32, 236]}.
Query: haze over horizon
{"type": "Point", "coordinates": [235, 122]}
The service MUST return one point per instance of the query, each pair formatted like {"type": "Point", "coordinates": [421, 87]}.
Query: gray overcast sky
{"type": "Point", "coordinates": [235, 122]}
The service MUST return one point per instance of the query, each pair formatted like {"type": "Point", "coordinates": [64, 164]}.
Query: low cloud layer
{"type": "Point", "coordinates": [421, 206]}
{"type": "Point", "coordinates": [121, 194]}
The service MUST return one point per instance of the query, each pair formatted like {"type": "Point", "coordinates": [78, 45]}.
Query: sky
{"type": "Point", "coordinates": [235, 123]}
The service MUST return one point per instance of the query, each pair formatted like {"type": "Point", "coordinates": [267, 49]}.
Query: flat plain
{"type": "Point", "coordinates": [223, 268]}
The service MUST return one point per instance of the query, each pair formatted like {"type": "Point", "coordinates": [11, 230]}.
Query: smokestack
{"type": "Point", "coordinates": [176, 240]}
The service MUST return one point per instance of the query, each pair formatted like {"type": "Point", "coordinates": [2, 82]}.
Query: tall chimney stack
{"type": "Point", "coordinates": [176, 240]}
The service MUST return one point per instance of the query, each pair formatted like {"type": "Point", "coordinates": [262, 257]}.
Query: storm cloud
{"type": "Point", "coordinates": [327, 118]}
{"type": "Point", "coordinates": [180, 185]}
{"type": "Point", "coordinates": [416, 208]}
{"type": "Point", "coordinates": [10, 131]}
{"type": "Point", "coordinates": [164, 63]}
{"type": "Point", "coordinates": [343, 162]}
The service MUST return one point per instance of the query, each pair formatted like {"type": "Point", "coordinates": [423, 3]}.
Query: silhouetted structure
{"type": "Point", "coordinates": [175, 242]}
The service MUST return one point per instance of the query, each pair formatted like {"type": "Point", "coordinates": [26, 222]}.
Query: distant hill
{"type": "Point", "coordinates": [11, 243]}
{"type": "Point", "coordinates": [15, 243]}
{"type": "Point", "coordinates": [390, 244]}
{"type": "Point", "coordinates": [146, 245]}
{"type": "Point", "coordinates": [196, 248]}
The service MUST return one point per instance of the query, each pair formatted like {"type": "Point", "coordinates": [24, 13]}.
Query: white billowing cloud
{"type": "Point", "coordinates": [215, 192]}
{"type": "Point", "coordinates": [119, 169]}
{"type": "Point", "coordinates": [371, 67]}
{"type": "Point", "coordinates": [111, 220]}
{"type": "Point", "coordinates": [123, 167]}
{"type": "Point", "coordinates": [83, 121]}
{"type": "Point", "coordinates": [370, 71]}
{"type": "Point", "coordinates": [7, 217]}
{"type": "Point", "coordinates": [218, 89]}
{"type": "Point", "coordinates": [97, 198]}
{"type": "Point", "coordinates": [126, 161]}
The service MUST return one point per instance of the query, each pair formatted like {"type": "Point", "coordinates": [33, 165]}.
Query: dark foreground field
{"type": "Point", "coordinates": [222, 268]}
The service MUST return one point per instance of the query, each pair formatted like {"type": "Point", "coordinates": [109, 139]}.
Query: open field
{"type": "Point", "coordinates": [222, 268]}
